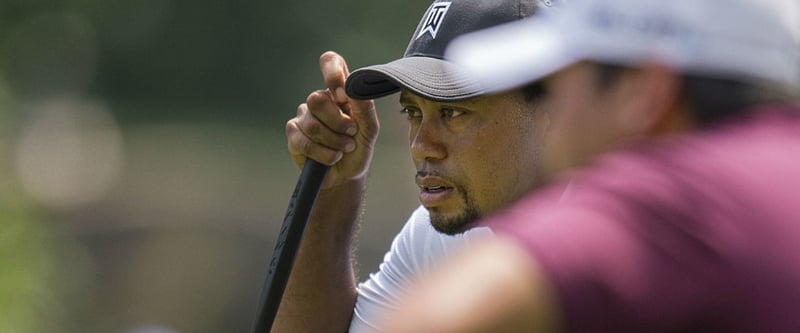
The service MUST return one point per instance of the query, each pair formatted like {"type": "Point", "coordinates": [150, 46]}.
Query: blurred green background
{"type": "Point", "coordinates": [143, 155]}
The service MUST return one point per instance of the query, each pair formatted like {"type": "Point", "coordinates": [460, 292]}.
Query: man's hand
{"type": "Point", "coordinates": [333, 129]}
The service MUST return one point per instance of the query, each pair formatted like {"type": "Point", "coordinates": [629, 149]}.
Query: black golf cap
{"type": "Point", "coordinates": [421, 69]}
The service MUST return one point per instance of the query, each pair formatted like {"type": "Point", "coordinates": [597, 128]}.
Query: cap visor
{"type": "Point", "coordinates": [511, 55]}
{"type": "Point", "coordinates": [428, 77]}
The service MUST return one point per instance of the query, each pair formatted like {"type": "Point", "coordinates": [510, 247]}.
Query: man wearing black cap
{"type": "Point", "coordinates": [678, 126]}
{"type": "Point", "coordinates": [474, 154]}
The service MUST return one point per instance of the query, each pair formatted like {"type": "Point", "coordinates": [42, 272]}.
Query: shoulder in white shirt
{"type": "Point", "coordinates": [414, 250]}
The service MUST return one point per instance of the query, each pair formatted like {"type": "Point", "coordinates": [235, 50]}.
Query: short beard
{"type": "Point", "coordinates": [459, 224]}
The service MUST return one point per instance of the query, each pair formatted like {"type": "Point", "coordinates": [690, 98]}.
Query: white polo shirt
{"type": "Point", "coordinates": [416, 249]}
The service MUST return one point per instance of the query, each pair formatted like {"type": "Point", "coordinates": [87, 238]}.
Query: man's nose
{"type": "Point", "coordinates": [426, 142]}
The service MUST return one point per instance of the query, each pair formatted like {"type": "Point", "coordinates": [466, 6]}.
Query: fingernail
{"type": "Point", "coordinates": [350, 147]}
{"type": "Point", "coordinates": [352, 130]}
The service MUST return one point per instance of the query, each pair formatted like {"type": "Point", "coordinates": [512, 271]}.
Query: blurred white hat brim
{"type": "Point", "coordinates": [755, 41]}
{"type": "Point", "coordinates": [511, 55]}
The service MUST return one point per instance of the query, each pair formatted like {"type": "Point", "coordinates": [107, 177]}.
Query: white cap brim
{"type": "Point", "coordinates": [745, 40]}
{"type": "Point", "coordinates": [512, 55]}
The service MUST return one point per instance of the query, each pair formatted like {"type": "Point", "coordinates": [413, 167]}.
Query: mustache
{"type": "Point", "coordinates": [422, 174]}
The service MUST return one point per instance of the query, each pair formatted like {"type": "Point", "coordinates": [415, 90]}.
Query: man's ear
{"type": "Point", "coordinates": [650, 102]}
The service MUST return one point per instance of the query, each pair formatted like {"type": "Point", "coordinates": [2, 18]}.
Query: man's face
{"type": "Point", "coordinates": [473, 157]}
{"type": "Point", "coordinates": [586, 119]}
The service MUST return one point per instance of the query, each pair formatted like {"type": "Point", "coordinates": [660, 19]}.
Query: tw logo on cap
{"type": "Point", "coordinates": [433, 19]}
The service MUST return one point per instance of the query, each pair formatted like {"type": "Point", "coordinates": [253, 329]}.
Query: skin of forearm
{"type": "Point", "coordinates": [321, 292]}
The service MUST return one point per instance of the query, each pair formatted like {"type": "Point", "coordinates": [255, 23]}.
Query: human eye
{"type": "Point", "coordinates": [451, 112]}
{"type": "Point", "coordinates": [411, 113]}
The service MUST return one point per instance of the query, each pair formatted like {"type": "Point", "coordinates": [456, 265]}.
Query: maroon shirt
{"type": "Point", "coordinates": [696, 233]}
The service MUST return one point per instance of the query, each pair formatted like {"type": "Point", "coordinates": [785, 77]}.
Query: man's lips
{"type": "Point", "coordinates": [433, 190]}
{"type": "Point", "coordinates": [432, 183]}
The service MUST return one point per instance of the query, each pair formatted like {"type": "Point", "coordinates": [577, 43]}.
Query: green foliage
{"type": "Point", "coordinates": [251, 60]}
{"type": "Point", "coordinates": [232, 63]}
{"type": "Point", "coordinates": [42, 271]}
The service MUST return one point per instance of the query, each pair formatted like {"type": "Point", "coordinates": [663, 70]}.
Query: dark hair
{"type": "Point", "coordinates": [606, 74]}
{"type": "Point", "coordinates": [533, 91]}
{"type": "Point", "coordinates": [714, 99]}
{"type": "Point", "coordinates": [711, 99]}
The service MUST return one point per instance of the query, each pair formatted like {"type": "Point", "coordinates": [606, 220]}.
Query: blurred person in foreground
{"type": "Point", "coordinates": [474, 153]}
{"type": "Point", "coordinates": [672, 201]}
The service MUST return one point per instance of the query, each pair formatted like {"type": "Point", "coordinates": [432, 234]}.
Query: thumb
{"type": "Point", "coordinates": [334, 73]}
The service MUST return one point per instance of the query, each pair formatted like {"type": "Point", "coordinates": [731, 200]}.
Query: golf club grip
{"type": "Point", "coordinates": [294, 224]}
